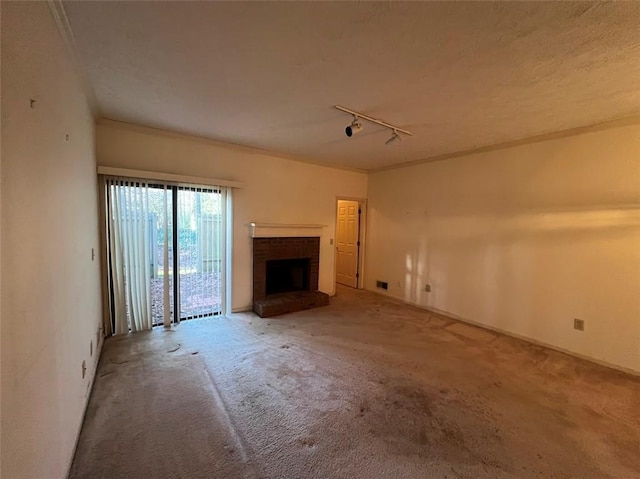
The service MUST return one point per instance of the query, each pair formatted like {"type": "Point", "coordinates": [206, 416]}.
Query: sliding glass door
{"type": "Point", "coordinates": [199, 243]}
{"type": "Point", "coordinates": [160, 235]}
{"type": "Point", "coordinates": [166, 253]}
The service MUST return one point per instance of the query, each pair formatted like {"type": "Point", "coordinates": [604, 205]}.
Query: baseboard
{"type": "Point", "coordinates": [90, 384]}
{"type": "Point", "coordinates": [243, 309]}
{"type": "Point", "coordinates": [509, 333]}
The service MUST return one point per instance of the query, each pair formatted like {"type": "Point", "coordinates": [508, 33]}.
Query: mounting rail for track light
{"type": "Point", "coordinates": [361, 116]}
{"type": "Point", "coordinates": [394, 137]}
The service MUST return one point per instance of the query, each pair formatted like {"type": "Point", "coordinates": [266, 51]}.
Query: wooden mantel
{"type": "Point", "coordinates": [283, 230]}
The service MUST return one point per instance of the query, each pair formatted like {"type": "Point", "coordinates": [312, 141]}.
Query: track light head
{"type": "Point", "coordinates": [354, 128]}
{"type": "Point", "coordinates": [394, 137]}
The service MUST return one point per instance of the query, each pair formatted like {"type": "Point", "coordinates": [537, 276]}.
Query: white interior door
{"type": "Point", "coordinates": [347, 242]}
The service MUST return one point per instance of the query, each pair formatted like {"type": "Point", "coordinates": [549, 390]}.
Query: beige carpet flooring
{"type": "Point", "coordinates": [364, 388]}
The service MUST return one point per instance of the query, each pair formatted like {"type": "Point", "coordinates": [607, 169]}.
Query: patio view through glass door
{"type": "Point", "coordinates": [199, 221]}
{"type": "Point", "coordinates": [165, 251]}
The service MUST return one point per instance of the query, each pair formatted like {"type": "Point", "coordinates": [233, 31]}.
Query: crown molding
{"type": "Point", "coordinates": [605, 125]}
{"type": "Point", "coordinates": [150, 130]}
{"type": "Point", "coordinates": [64, 28]}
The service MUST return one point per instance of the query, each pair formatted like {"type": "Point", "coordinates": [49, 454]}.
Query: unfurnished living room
{"type": "Point", "coordinates": [320, 240]}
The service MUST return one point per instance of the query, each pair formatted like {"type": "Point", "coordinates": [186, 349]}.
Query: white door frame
{"type": "Point", "coordinates": [362, 204]}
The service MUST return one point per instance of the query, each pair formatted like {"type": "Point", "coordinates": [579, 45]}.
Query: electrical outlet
{"type": "Point", "coordinates": [91, 349]}
{"type": "Point", "coordinates": [93, 254]}
{"type": "Point", "coordinates": [578, 324]}
{"type": "Point", "coordinates": [427, 288]}
{"type": "Point", "coordinates": [84, 369]}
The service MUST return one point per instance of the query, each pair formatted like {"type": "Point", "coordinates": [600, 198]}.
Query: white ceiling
{"type": "Point", "coordinates": [266, 75]}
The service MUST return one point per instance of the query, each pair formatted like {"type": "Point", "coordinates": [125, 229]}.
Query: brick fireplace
{"type": "Point", "coordinates": [285, 271]}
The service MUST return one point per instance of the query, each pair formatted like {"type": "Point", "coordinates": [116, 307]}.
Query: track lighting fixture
{"type": "Point", "coordinates": [356, 126]}
{"type": "Point", "coordinates": [394, 137]}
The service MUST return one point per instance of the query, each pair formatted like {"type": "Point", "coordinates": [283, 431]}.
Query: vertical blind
{"type": "Point", "coordinates": [165, 252]}
{"type": "Point", "coordinates": [128, 209]}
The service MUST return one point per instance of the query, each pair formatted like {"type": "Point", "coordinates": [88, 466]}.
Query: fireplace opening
{"type": "Point", "coordinates": [287, 275]}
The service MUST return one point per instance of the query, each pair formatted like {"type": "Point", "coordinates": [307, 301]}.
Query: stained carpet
{"type": "Point", "coordinates": [364, 388]}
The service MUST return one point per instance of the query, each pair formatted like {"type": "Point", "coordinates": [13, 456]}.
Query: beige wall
{"type": "Point", "coordinates": [523, 239]}
{"type": "Point", "coordinates": [50, 288]}
{"type": "Point", "coordinates": [276, 190]}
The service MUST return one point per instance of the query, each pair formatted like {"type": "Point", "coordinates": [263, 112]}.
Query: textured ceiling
{"type": "Point", "coordinates": [266, 75]}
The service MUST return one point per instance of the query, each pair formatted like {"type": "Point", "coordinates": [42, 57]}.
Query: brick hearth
{"type": "Point", "coordinates": [265, 249]}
